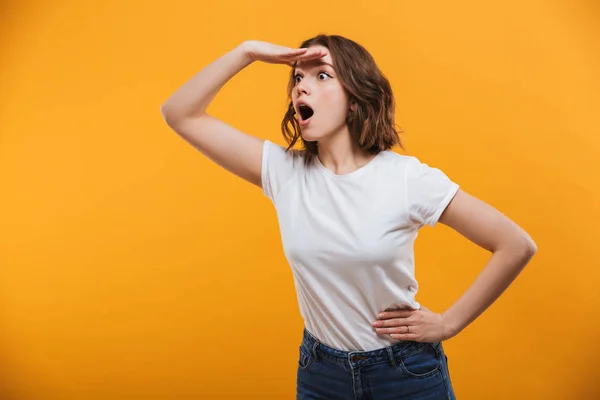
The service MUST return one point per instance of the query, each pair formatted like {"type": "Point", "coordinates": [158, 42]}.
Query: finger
{"type": "Point", "coordinates": [298, 51]}
{"type": "Point", "coordinates": [291, 61]}
{"type": "Point", "coordinates": [303, 58]}
{"type": "Point", "coordinates": [406, 336]}
{"type": "Point", "coordinates": [395, 314]}
{"type": "Point", "coordinates": [394, 330]}
{"type": "Point", "coordinates": [289, 52]}
{"type": "Point", "coordinates": [391, 322]}
{"type": "Point", "coordinates": [312, 54]}
{"type": "Point", "coordinates": [306, 59]}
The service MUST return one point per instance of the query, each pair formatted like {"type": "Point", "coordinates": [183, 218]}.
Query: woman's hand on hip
{"type": "Point", "coordinates": [423, 325]}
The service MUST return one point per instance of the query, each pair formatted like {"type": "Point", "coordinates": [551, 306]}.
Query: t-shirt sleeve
{"type": "Point", "coordinates": [428, 192]}
{"type": "Point", "coordinates": [278, 168]}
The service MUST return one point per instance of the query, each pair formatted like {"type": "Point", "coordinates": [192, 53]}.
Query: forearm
{"type": "Point", "coordinates": [195, 95]}
{"type": "Point", "coordinates": [503, 267]}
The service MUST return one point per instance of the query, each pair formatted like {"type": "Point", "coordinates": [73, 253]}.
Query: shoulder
{"type": "Point", "coordinates": [279, 150]}
{"type": "Point", "coordinates": [279, 166]}
{"type": "Point", "coordinates": [397, 162]}
{"type": "Point", "coordinates": [282, 156]}
{"type": "Point", "coordinates": [413, 167]}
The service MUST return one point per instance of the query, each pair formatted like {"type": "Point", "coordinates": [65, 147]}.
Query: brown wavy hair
{"type": "Point", "coordinates": [372, 124]}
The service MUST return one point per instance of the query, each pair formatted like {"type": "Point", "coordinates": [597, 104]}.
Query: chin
{"type": "Point", "coordinates": [309, 137]}
{"type": "Point", "coordinates": [312, 136]}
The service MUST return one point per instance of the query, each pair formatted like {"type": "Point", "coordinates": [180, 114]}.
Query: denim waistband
{"type": "Point", "coordinates": [319, 350]}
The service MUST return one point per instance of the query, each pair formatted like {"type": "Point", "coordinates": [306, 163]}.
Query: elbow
{"type": "Point", "coordinates": [529, 250]}
{"type": "Point", "coordinates": [529, 245]}
{"type": "Point", "coordinates": [174, 116]}
{"type": "Point", "coordinates": [164, 111]}
{"type": "Point", "coordinates": [521, 247]}
{"type": "Point", "coordinates": [526, 249]}
{"type": "Point", "coordinates": [532, 248]}
{"type": "Point", "coordinates": [168, 115]}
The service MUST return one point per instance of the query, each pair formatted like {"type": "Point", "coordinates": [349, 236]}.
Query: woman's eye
{"type": "Point", "coordinates": [298, 77]}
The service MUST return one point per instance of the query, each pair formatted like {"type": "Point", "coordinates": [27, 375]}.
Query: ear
{"type": "Point", "coordinates": [352, 106]}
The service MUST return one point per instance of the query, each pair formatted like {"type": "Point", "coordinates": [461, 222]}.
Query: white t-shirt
{"type": "Point", "coordinates": [349, 238]}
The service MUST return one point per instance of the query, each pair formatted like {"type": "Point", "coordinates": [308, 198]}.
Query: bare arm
{"type": "Point", "coordinates": [195, 95]}
{"type": "Point", "coordinates": [185, 113]}
{"type": "Point", "coordinates": [185, 110]}
{"type": "Point", "coordinates": [512, 250]}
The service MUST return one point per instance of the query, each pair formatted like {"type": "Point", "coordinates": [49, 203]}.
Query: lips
{"type": "Point", "coordinates": [305, 113]}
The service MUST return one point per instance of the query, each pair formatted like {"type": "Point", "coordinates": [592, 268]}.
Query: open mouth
{"type": "Point", "coordinates": [305, 112]}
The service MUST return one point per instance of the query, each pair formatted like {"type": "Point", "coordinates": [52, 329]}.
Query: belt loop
{"type": "Point", "coordinates": [314, 349]}
{"type": "Point", "coordinates": [391, 356]}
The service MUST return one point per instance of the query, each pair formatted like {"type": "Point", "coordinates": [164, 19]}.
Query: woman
{"type": "Point", "coordinates": [349, 210]}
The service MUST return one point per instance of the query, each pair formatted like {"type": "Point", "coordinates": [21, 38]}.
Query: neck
{"type": "Point", "coordinates": [340, 154]}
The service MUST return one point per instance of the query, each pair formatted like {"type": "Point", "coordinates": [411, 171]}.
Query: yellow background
{"type": "Point", "coordinates": [132, 267]}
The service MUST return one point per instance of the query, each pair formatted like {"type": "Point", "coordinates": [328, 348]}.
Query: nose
{"type": "Point", "coordinates": [301, 88]}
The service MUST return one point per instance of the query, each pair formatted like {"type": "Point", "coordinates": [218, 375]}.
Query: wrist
{"type": "Point", "coordinates": [451, 326]}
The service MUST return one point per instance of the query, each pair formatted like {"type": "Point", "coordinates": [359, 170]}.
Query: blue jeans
{"type": "Point", "coordinates": [404, 371]}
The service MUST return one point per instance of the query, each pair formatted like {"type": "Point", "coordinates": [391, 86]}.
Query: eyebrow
{"type": "Point", "coordinates": [317, 63]}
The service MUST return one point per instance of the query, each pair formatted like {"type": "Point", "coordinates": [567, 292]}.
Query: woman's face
{"type": "Point", "coordinates": [318, 87]}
